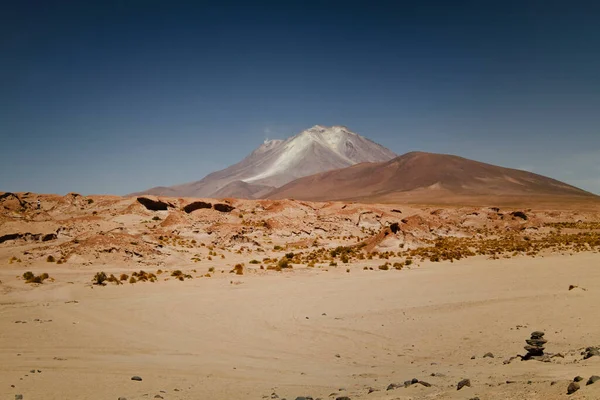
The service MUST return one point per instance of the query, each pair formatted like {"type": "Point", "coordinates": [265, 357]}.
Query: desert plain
{"type": "Point", "coordinates": [274, 299]}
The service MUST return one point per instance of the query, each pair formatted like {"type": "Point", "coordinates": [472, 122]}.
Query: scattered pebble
{"type": "Point", "coordinates": [593, 379]}
{"type": "Point", "coordinates": [578, 379]}
{"type": "Point", "coordinates": [136, 378]}
{"type": "Point", "coordinates": [463, 383]}
{"type": "Point", "coordinates": [573, 387]}
{"type": "Point", "coordinates": [488, 355]}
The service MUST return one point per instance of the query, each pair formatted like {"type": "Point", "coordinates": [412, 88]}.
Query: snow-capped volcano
{"type": "Point", "coordinates": [277, 162]}
{"type": "Point", "coordinates": [317, 149]}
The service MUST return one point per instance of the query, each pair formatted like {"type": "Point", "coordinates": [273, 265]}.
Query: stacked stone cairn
{"type": "Point", "coordinates": [535, 346]}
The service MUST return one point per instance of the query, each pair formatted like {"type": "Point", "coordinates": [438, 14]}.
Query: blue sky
{"type": "Point", "coordinates": [119, 96]}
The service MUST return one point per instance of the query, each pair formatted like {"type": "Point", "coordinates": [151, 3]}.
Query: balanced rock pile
{"type": "Point", "coordinates": [535, 346]}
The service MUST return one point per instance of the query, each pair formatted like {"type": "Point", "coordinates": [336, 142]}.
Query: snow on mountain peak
{"type": "Point", "coordinates": [319, 148]}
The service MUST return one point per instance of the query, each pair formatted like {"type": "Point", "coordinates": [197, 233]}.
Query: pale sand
{"type": "Point", "coordinates": [215, 340]}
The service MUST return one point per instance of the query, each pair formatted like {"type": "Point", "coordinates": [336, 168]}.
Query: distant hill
{"type": "Point", "coordinates": [277, 162]}
{"type": "Point", "coordinates": [428, 177]}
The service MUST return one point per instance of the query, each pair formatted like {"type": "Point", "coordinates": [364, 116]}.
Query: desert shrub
{"type": "Point", "coordinates": [28, 275]}
{"type": "Point", "coordinates": [176, 273]}
{"type": "Point", "coordinates": [132, 280]}
{"type": "Point", "coordinates": [254, 262]}
{"type": "Point", "coordinates": [238, 269]}
{"type": "Point", "coordinates": [211, 269]}
{"type": "Point", "coordinates": [123, 277]}
{"type": "Point", "coordinates": [159, 271]}
{"type": "Point", "coordinates": [90, 201]}
{"type": "Point", "coordinates": [333, 264]}
{"type": "Point", "coordinates": [50, 259]}
{"type": "Point", "coordinates": [99, 278]}
{"type": "Point", "coordinates": [277, 248]}
{"type": "Point", "coordinates": [45, 276]}
{"type": "Point", "coordinates": [408, 261]}
{"type": "Point", "coordinates": [156, 218]}
{"type": "Point", "coordinates": [384, 267]}
{"type": "Point", "coordinates": [283, 263]}
{"type": "Point", "coordinates": [113, 279]}
{"type": "Point", "coordinates": [344, 258]}
{"type": "Point", "coordinates": [348, 270]}
{"type": "Point", "coordinates": [398, 265]}
{"type": "Point", "coordinates": [289, 256]}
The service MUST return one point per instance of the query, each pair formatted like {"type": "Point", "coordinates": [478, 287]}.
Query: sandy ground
{"type": "Point", "coordinates": [305, 332]}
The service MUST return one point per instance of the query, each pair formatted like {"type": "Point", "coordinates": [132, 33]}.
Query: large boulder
{"type": "Point", "coordinates": [196, 205]}
{"type": "Point", "coordinates": [222, 207]}
{"type": "Point", "coordinates": [154, 205]}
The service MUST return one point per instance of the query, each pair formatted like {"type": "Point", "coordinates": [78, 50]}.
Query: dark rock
{"type": "Point", "coordinates": [393, 386]}
{"type": "Point", "coordinates": [591, 352]}
{"type": "Point", "coordinates": [342, 398]}
{"type": "Point", "coordinates": [158, 396]}
{"type": "Point", "coordinates": [153, 205]}
{"type": "Point", "coordinates": [196, 205]}
{"type": "Point", "coordinates": [426, 384]}
{"type": "Point", "coordinates": [49, 236]}
{"type": "Point", "coordinates": [304, 398]}
{"type": "Point", "coordinates": [553, 383]}
{"type": "Point", "coordinates": [371, 390]}
{"type": "Point", "coordinates": [488, 355]}
{"type": "Point", "coordinates": [578, 378]}
{"type": "Point", "coordinates": [222, 207]}
{"type": "Point", "coordinates": [463, 383]}
{"type": "Point", "coordinates": [573, 387]}
{"type": "Point", "coordinates": [395, 227]}
{"type": "Point", "coordinates": [536, 342]}
{"type": "Point", "coordinates": [474, 398]}
{"type": "Point", "coordinates": [519, 214]}
{"type": "Point", "coordinates": [593, 379]}
{"type": "Point", "coordinates": [136, 378]}
{"type": "Point", "coordinates": [18, 397]}
{"type": "Point", "coordinates": [414, 380]}
{"type": "Point", "coordinates": [33, 371]}
{"type": "Point", "coordinates": [407, 383]}
{"type": "Point", "coordinates": [122, 398]}
{"type": "Point", "coordinates": [473, 357]}
{"type": "Point", "coordinates": [537, 335]}
{"type": "Point", "coordinates": [396, 211]}
{"type": "Point", "coordinates": [534, 350]}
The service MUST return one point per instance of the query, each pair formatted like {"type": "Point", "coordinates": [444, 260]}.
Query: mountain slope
{"type": "Point", "coordinates": [422, 176]}
{"type": "Point", "coordinates": [278, 162]}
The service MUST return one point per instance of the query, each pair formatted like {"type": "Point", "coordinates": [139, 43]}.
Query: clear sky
{"type": "Point", "coordinates": [119, 96]}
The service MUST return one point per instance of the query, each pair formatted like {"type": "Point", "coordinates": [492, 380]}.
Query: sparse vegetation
{"type": "Point", "coordinates": [29, 277]}
{"type": "Point", "coordinates": [50, 259]}
{"type": "Point", "coordinates": [99, 278]}
{"type": "Point", "coordinates": [238, 269]}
